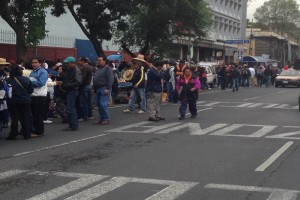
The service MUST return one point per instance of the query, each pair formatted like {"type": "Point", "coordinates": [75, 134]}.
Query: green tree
{"type": "Point", "coordinates": [96, 18]}
{"type": "Point", "coordinates": [156, 24]}
{"type": "Point", "coordinates": [279, 15]}
{"type": "Point", "coordinates": [17, 13]}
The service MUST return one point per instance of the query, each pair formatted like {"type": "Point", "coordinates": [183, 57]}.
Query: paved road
{"type": "Point", "coordinates": [242, 146]}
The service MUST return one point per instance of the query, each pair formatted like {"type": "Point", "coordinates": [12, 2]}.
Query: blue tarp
{"type": "Point", "coordinates": [115, 57]}
{"type": "Point", "coordinates": [85, 49]}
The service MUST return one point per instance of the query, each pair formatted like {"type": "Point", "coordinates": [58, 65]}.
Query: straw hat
{"type": "Point", "coordinates": [141, 58]}
{"type": "Point", "coordinates": [128, 74]}
{"type": "Point", "coordinates": [3, 61]}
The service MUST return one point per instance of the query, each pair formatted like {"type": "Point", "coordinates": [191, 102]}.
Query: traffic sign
{"type": "Point", "coordinates": [237, 41]}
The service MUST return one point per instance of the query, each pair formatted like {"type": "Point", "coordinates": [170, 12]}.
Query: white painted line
{"type": "Point", "coordinates": [11, 173]}
{"type": "Point", "coordinates": [173, 191]}
{"type": "Point", "coordinates": [282, 106]}
{"type": "Point", "coordinates": [82, 181]}
{"type": "Point", "coordinates": [123, 128]}
{"type": "Point", "coordinates": [255, 105]}
{"type": "Point", "coordinates": [201, 110]}
{"type": "Point", "coordinates": [244, 105]}
{"type": "Point", "coordinates": [211, 104]}
{"type": "Point", "coordinates": [265, 95]}
{"type": "Point", "coordinates": [276, 155]}
{"type": "Point", "coordinates": [271, 105]}
{"type": "Point", "coordinates": [200, 93]}
{"type": "Point", "coordinates": [59, 145]}
{"type": "Point", "coordinates": [276, 193]}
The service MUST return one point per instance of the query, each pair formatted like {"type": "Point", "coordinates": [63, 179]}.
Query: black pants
{"type": "Point", "coordinates": [37, 109]}
{"type": "Point", "coordinates": [19, 112]}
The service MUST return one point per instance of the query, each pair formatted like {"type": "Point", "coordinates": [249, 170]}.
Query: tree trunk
{"type": "Point", "coordinates": [21, 48]}
{"type": "Point", "coordinates": [97, 45]}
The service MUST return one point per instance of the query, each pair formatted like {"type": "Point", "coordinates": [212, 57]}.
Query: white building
{"type": "Point", "coordinates": [229, 23]}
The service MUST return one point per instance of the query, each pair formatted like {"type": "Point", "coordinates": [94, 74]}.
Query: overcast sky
{"type": "Point", "coordinates": [256, 4]}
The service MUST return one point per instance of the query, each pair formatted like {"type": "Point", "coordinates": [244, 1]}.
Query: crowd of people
{"type": "Point", "coordinates": [32, 93]}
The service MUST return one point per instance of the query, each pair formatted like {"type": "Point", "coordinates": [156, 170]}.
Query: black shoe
{"type": "Point", "coordinates": [181, 118]}
{"type": "Point", "coordinates": [26, 137]}
{"type": "Point", "coordinates": [155, 119]}
{"type": "Point", "coordinates": [160, 118]}
{"type": "Point", "coordinates": [10, 138]}
{"type": "Point", "coordinates": [70, 129]}
{"type": "Point", "coordinates": [193, 116]}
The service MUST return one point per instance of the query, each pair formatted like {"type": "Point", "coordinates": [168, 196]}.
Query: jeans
{"type": "Point", "coordinates": [192, 107]}
{"type": "Point", "coordinates": [170, 92]}
{"type": "Point", "coordinates": [134, 93]}
{"type": "Point", "coordinates": [71, 108]}
{"type": "Point", "coordinates": [102, 103]}
{"type": "Point", "coordinates": [84, 101]}
{"type": "Point", "coordinates": [235, 84]}
{"type": "Point", "coordinates": [268, 81]}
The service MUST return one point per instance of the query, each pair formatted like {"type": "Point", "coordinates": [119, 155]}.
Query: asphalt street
{"type": "Point", "coordinates": [242, 146]}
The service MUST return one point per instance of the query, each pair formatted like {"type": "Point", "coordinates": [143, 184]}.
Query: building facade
{"type": "Point", "coordinates": [229, 23]}
{"type": "Point", "coordinates": [272, 45]}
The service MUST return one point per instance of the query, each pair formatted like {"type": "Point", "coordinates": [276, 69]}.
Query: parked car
{"type": "Point", "coordinates": [288, 77]}
{"type": "Point", "coordinates": [210, 69]}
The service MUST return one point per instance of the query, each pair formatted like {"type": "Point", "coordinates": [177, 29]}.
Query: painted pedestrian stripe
{"type": "Point", "coordinates": [246, 105]}
{"type": "Point", "coordinates": [219, 129]}
{"type": "Point", "coordinates": [105, 184]}
{"type": "Point", "coordinates": [275, 193]}
{"type": "Point", "coordinates": [93, 186]}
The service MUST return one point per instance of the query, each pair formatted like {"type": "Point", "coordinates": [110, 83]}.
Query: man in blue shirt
{"type": "Point", "coordinates": [38, 77]}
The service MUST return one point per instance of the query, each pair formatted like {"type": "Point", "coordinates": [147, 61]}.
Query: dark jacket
{"type": "Point", "coordinates": [186, 94]}
{"type": "Point", "coordinates": [72, 79]}
{"type": "Point", "coordinates": [86, 73]}
{"type": "Point", "coordinates": [138, 78]}
{"type": "Point", "coordinates": [154, 81]}
{"type": "Point", "coordinates": [19, 94]}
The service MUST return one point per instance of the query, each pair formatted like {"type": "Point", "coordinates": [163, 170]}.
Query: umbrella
{"type": "Point", "coordinates": [115, 57]}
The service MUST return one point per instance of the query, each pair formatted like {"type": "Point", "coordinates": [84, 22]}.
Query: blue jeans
{"type": "Point", "coordinates": [170, 92]}
{"type": "Point", "coordinates": [268, 81]}
{"type": "Point", "coordinates": [84, 101]}
{"type": "Point", "coordinates": [133, 95]}
{"type": "Point", "coordinates": [102, 103]}
{"type": "Point", "coordinates": [235, 84]}
{"type": "Point", "coordinates": [71, 108]}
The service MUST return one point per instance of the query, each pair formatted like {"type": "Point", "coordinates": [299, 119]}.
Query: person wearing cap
{"type": "Point", "coordinates": [138, 85]}
{"type": "Point", "coordinates": [154, 89]}
{"type": "Point", "coordinates": [187, 86]}
{"type": "Point", "coordinates": [102, 85]}
{"type": "Point", "coordinates": [71, 83]}
{"type": "Point", "coordinates": [38, 77]}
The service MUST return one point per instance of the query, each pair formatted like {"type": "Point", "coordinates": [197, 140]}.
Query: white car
{"type": "Point", "coordinates": [210, 69]}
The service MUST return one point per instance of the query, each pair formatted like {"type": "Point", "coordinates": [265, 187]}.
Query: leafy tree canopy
{"type": "Point", "coordinates": [156, 24]}
{"type": "Point", "coordinates": [279, 15]}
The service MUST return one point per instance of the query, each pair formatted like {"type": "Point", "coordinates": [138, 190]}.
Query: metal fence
{"type": "Point", "coordinates": [9, 37]}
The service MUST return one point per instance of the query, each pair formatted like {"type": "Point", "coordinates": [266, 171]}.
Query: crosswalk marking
{"type": "Point", "coordinates": [171, 191]}
{"type": "Point", "coordinates": [276, 193]}
{"type": "Point", "coordinates": [246, 105]}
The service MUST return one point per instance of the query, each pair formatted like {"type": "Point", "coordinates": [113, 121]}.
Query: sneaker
{"type": "Point", "coordinates": [141, 112]}
{"type": "Point", "coordinates": [48, 121]}
{"type": "Point", "coordinates": [91, 117]}
{"type": "Point", "coordinates": [82, 119]}
{"type": "Point", "coordinates": [181, 117]}
{"type": "Point", "coordinates": [110, 104]}
{"type": "Point", "coordinates": [127, 111]}
{"type": "Point", "coordinates": [154, 119]}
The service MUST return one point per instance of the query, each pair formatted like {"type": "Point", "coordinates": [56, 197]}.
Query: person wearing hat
{"type": "Point", "coordinates": [187, 86]}
{"type": "Point", "coordinates": [71, 83]}
{"type": "Point", "coordinates": [154, 89]}
{"type": "Point", "coordinates": [138, 85]}
{"type": "Point", "coordinates": [102, 85]}
{"type": "Point", "coordinates": [38, 77]}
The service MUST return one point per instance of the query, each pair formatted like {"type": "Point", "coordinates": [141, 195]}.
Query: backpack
{"type": "Point", "coordinates": [260, 72]}
{"type": "Point", "coordinates": [167, 76]}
